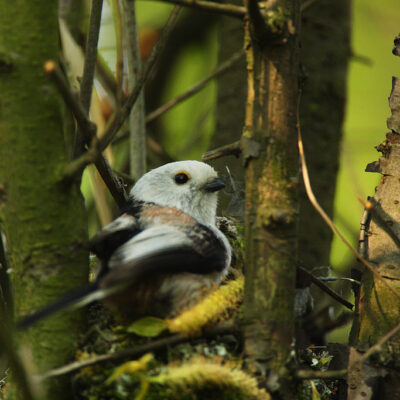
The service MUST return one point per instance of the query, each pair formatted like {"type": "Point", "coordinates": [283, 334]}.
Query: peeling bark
{"type": "Point", "coordinates": [378, 306]}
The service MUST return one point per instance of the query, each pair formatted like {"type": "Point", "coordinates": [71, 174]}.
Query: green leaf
{"type": "Point", "coordinates": [148, 327]}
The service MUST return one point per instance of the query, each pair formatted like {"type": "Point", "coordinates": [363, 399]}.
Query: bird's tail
{"type": "Point", "coordinates": [77, 298]}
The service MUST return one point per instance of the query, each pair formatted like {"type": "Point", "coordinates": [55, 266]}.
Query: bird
{"type": "Point", "coordinates": [163, 252]}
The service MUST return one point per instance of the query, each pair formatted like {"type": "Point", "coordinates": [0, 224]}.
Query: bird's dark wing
{"type": "Point", "coordinates": [168, 249]}
{"type": "Point", "coordinates": [115, 234]}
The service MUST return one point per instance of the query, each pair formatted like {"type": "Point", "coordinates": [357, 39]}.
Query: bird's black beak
{"type": "Point", "coordinates": [214, 185]}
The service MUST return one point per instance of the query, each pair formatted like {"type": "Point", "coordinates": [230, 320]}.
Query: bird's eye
{"type": "Point", "coordinates": [181, 177]}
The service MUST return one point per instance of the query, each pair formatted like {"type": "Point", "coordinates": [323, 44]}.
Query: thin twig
{"type": "Point", "coordinates": [326, 218]}
{"type": "Point", "coordinates": [226, 9]}
{"type": "Point", "coordinates": [75, 167]}
{"type": "Point", "coordinates": [378, 215]}
{"type": "Point", "coordinates": [83, 136]}
{"type": "Point", "coordinates": [225, 66]}
{"type": "Point", "coordinates": [72, 102]}
{"type": "Point", "coordinates": [226, 327]}
{"type": "Point", "coordinates": [137, 118]}
{"type": "Point", "coordinates": [119, 64]}
{"type": "Point", "coordinates": [378, 346]}
{"type": "Point", "coordinates": [86, 86]}
{"type": "Point", "coordinates": [311, 374]}
{"type": "Point", "coordinates": [123, 113]}
{"type": "Point", "coordinates": [129, 353]}
{"type": "Point", "coordinates": [227, 150]}
{"type": "Point", "coordinates": [326, 288]}
{"type": "Point", "coordinates": [92, 155]}
{"type": "Point", "coordinates": [338, 278]}
{"type": "Point", "coordinates": [114, 186]}
{"type": "Point", "coordinates": [363, 236]}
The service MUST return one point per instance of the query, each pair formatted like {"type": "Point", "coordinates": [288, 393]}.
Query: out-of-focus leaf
{"type": "Point", "coordinates": [148, 327]}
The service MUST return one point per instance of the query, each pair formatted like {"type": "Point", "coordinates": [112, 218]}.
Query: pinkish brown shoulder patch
{"type": "Point", "coordinates": [165, 215]}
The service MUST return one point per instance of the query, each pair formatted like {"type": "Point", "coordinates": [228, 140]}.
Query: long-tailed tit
{"type": "Point", "coordinates": [163, 252]}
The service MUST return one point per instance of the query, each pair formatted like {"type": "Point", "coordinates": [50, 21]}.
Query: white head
{"type": "Point", "coordinates": [190, 186]}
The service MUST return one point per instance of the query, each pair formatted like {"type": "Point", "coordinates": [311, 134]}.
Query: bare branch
{"type": "Point", "coordinates": [123, 113]}
{"type": "Point", "coordinates": [226, 9]}
{"type": "Point", "coordinates": [84, 137]}
{"type": "Point", "coordinates": [225, 66]}
{"type": "Point", "coordinates": [93, 155]}
{"type": "Point", "coordinates": [227, 150]}
{"type": "Point", "coordinates": [72, 102]}
{"type": "Point", "coordinates": [137, 118]}
{"type": "Point", "coordinates": [223, 328]}
{"type": "Point", "coordinates": [86, 85]}
{"type": "Point", "coordinates": [325, 288]}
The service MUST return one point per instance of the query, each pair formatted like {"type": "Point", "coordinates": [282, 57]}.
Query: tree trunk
{"type": "Point", "coordinates": [378, 306]}
{"type": "Point", "coordinates": [43, 219]}
{"type": "Point", "coordinates": [269, 145]}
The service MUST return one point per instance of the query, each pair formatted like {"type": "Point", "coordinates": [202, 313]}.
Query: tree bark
{"type": "Point", "coordinates": [44, 220]}
{"type": "Point", "coordinates": [269, 145]}
{"type": "Point", "coordinates": [378, 306]}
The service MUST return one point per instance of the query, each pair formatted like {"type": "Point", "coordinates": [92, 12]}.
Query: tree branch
{"type": "Point", "coordinates": [226, 9]}
{"type": "Point", "coordinates": [227, 150]}
{"type": "Point", "coordinates": [326, 288]}
{"type": "Point", "coordinates": [86, 87]}
{"type": "Point", "coordinates": [225, 66]}
{"type": "Point", "coordinates": [123, 113]}
{"type": "Point", "coordinates": [92, 155]}
{"type": "Point", "coordinates": [223, 328]}
{"type": "Point", "coordinates": [137, 118]}
{"type": "Point", "coordinates": [72, 102]}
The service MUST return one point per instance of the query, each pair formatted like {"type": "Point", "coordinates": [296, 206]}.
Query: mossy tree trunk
{"type": "Point", "coordinates": [43, 219]}
{"type": "Point", "coordinates": [269, 145]}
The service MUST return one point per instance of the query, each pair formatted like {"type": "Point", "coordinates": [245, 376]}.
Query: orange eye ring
{"type": "Point", "coordinates": [181, 177]}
